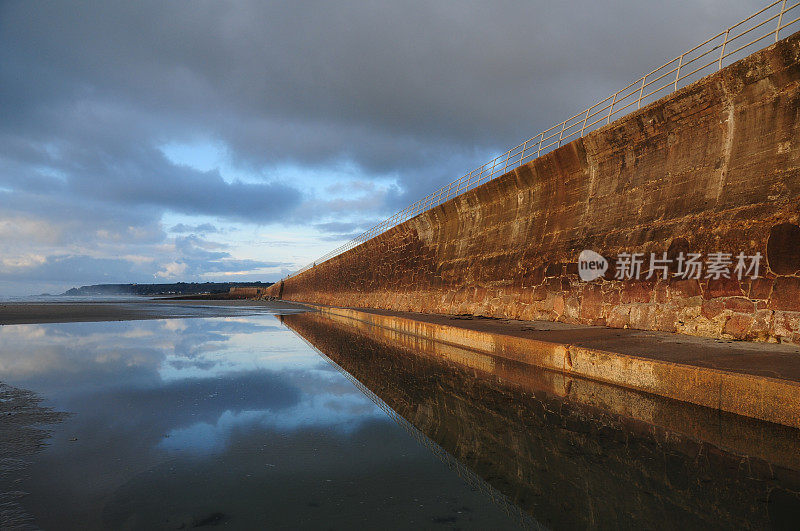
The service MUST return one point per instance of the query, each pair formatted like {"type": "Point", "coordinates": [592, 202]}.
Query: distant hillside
{"type": "Point", "coordinates": [149, 290]}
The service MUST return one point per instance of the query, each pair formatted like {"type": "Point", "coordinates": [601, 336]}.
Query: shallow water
{"type": "Point", "coordinates": [572, 453]}
{"type": "Point", "coordinates": [298, 421]}
{"type": "Point", "coordinates": [181, 423]}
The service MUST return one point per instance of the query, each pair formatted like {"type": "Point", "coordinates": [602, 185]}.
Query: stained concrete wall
{"type": "Point", "coordinates": [247, 291]}
{"type": "Point", "coordinates": [712, 167]}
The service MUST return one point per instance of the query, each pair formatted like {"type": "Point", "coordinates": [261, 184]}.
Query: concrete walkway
{"type": "Point", "coordinates": [758, 380]}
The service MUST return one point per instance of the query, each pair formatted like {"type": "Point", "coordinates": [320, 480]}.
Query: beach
{"type": "Point", "coordinates": [83, 311]}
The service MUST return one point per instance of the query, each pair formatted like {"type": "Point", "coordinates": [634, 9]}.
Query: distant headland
{"type": "Point", "coordinates": [153, 290]}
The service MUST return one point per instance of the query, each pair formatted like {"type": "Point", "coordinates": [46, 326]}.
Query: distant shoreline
{"type": "Point", "coordinates": [173, 289]}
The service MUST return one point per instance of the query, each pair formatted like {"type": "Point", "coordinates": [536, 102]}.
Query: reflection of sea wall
{"type": "Point", "coordinates": [572, 452]}
{"type": "Point", "coordinates": [714, 167]}
{"type": "Point", "coordinates": [752, 395]}
{"type": "Point", "coordinates": [733, 432]}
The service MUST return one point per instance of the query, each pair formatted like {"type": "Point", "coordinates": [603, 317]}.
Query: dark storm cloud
{"type": "Point", "coordinates": [189, 256]}
{"type": "Point", "coordinates": [337, 231]}
{"type": "Point", "coordinates": [70, 220]}
{"type": "Point", "coordinates": [336, 226]}
{"type": "Point", "coordinates": [77, 269]}
{"type": "Point", "coordinates": [88, 269]}
{"type": "Point", "coordinates": [413, 93]}
{"type": "Point", "coordinates": [101, 162]}
{"type": "Point", "coordinates": [203, 228]}
{"type": "Point", "coordinates": [390, 85]}
{"type": "Point", "coordinates": [199, 255]}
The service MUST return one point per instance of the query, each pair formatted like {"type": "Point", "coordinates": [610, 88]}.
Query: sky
{"type": "Point", "coordinates": [240, 140]}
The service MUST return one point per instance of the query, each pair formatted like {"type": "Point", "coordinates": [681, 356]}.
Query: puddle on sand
{"type": "Point", "coordinates": [233, 421]}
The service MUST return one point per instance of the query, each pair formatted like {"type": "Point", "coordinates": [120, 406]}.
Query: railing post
{"type": "Point", "coordinates": [427, 202]}
{"type": "Point", "coordinates": [678, 73]}
{"type": "Point", "coordinates": [491, 172]}
{"type": "Point", "coordinates": [780, 18]}
{"type": "Point", "coordinates": [459, 181]}
{"type": "Point", "coordinates": [469, 178]}
{"type": "Point", "coordinates": [541, 139]}
{"type": "Point", "coordinates": [508, 156]}
{"type": "Point", "coordinates": [611, 109]}
{"type": "Point", "coordinates": [641, 91]}
{"type": "Point", "coordinates": [450, 190]}
{"type": "Point", "coordinates": [522, 153]}
{"type": "Point", "coordinates": [480, 174]}
{"type": "Point", "coordinates": [465, 182]}
{"type": "Point", "coordinates": [722, 52]}
{"type": "Point", "coordinates": [585, 118]}
{"type": "Point", "coordinates": [561, 133]}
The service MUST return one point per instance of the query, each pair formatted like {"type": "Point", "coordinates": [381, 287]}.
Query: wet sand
{"type": "Point", "coordinates": [68, 312]}
{"type": "Point", "coordinates": [23, 432]}
{"type": "Point", "coordinates": [26, 424]}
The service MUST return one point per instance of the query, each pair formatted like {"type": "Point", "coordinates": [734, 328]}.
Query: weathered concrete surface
{"type": "Point", "coordinates": [574, 454]}
{"type": "Point", "coordinates": [247, 291]}
{"type": "Point", "coordinates": [760, 382]}
{"type": "Point", "coordinates": [714, 167]}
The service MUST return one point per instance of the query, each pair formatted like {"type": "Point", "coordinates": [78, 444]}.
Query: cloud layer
{"type": "Point", "coordinates": [325, 113]}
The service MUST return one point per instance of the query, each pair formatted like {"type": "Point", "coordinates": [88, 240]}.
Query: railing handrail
{"type": "Point", "coordinates": [543, 142]}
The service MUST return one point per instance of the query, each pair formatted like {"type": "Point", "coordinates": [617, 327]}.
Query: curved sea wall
{"type": "Point", "coordinates": [712, 168]}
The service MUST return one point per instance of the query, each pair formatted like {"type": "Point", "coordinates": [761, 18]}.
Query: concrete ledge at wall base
{"type": "Point", "coordinates": [754, 380]}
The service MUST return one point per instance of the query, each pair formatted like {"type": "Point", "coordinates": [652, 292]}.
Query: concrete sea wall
{"type": "Point", "coordinates": [714, 167]}
{"type": "Point", "coordinates": [247, 291]}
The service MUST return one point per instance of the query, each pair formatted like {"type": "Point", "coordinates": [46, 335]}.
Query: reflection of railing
{"type": "Point", "coordinates": [684, 69]}
{"type": "Point", "coordinates": [470, 477]}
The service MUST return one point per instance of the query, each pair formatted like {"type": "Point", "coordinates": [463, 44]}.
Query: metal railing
{"type": "Point", "coordinates": [705, 58]}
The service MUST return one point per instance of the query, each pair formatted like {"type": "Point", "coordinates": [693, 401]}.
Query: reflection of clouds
{"type": "Point", "coordinates": [197, 338]}
{"type": "Point", "coordinates": [137, 333]}
{"type": "Point", "coordinates": [162, 407]}
{"type": "Point", "coordinates": [21, 332]}
{"type": "Point", "coordinates": [191, 416]}
{"type": "Point", "coordinates": [50, 364]}
{"type": "Point", "coordinates": [140, 388]}
{"type": "Point", "coordinates": [197, 379]}
{"type": "Point", "coordinates": [344, 413]}
{"type": "Point", "coordinates": [202, 365]}
{"type": "Point", "coordinates": [181, 403]}
{"type": "Point", "coordinates": [43, 356]}
{"type": "Point", "coordinates": [71, 355]}
{"type": "Point", "coordinates": [174, 325]}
